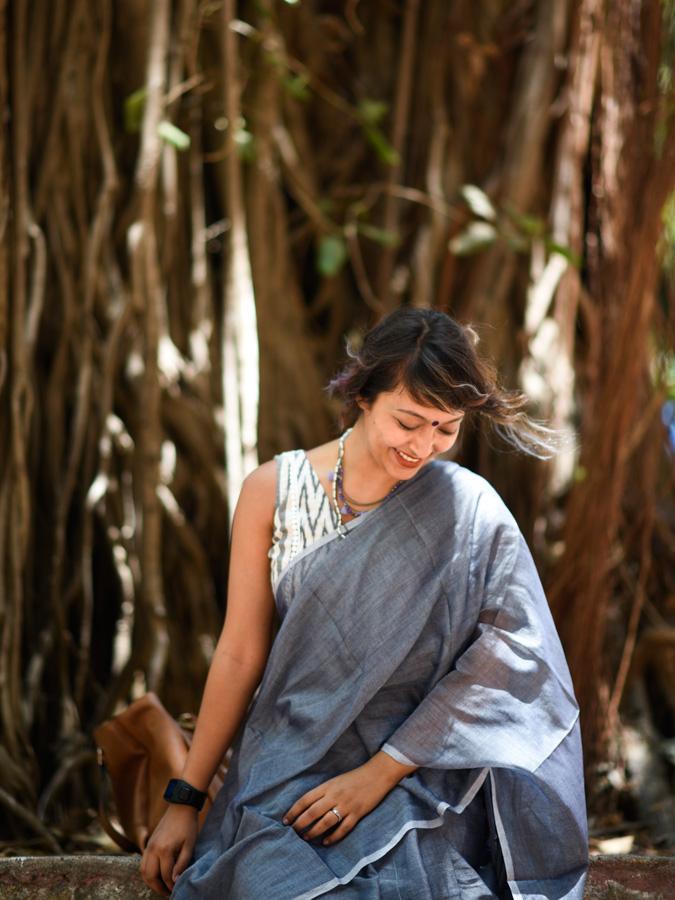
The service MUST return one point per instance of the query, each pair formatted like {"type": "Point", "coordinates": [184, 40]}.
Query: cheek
{"type": "Point", "coordinates": [379, 428]}
{"type": "Point", "coordinates": [390, 435]}
{"type": "Point", "coordinates": [384, 439]}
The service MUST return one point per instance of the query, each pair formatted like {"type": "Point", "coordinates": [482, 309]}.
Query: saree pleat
{"type": "Point", "coordinates": [426, 633]}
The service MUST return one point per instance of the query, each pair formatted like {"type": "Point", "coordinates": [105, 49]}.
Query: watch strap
{"type": "Point", "coordinates": [179, 791]}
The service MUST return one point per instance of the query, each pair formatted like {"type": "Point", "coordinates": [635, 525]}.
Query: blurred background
{"type": "Point", "coordinates": [200, 201]}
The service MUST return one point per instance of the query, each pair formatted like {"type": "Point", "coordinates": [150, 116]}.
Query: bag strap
{"type": "Point", "coordinates": [103, 801]}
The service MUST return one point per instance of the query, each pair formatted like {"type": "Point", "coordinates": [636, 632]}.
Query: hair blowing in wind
{"type": "Point", "coordinates": [436, 359]}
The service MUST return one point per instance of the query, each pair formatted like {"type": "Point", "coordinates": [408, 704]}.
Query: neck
{"type": "Point", "coordinates": [364, 477]}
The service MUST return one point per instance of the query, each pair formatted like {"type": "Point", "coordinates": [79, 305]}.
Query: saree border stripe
{"type": "Point", "coordinates": [503, 841]}
{"type": "Point", "coordinates": [372, 857]}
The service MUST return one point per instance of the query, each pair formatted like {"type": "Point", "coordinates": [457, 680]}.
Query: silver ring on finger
{"type": "Point", "coordinates": [335, 812]}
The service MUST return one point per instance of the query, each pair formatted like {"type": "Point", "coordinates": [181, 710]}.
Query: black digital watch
{"type": "Point", "coordinates": [179, 791]}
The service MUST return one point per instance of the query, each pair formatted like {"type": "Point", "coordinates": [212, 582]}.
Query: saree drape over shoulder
{"type": "Point", "coordinates": [425, 633]}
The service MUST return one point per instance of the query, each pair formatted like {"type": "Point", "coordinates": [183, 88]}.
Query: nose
{"type": "Point", "coordinates": [423, 442]}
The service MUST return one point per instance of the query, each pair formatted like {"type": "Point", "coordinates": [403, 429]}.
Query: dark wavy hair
{"type": "Point", "coordinates": [435, 358]}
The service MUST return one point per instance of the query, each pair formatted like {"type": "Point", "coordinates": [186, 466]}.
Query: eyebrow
{"type": "Point", "coordinates": [418, 416]}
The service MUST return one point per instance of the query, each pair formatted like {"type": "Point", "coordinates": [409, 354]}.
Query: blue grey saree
{"type": "Point", "coordinates": [425, 632]}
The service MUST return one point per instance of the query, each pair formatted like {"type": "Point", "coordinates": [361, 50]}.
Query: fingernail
{"type": "Point", "coordinates": [285, 821]}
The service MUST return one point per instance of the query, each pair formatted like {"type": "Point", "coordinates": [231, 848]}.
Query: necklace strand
{"type": "Point", "coordinates": [353, 501]}
{"type": "Point", "coordinates": [341, 502]}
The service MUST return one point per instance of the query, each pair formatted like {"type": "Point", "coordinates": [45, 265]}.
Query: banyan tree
{"type": "Point", "coordinates": [201, 200]}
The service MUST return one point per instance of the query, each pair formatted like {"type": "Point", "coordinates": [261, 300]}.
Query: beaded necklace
{"type": "Point", "coordinates": [341, 504]}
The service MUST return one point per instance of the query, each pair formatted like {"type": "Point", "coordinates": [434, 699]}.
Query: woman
{"type": "Point", "coordinates": [415, 732]}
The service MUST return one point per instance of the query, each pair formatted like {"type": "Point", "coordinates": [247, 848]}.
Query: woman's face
{"type": "Point", "coordinates": [402, 435]}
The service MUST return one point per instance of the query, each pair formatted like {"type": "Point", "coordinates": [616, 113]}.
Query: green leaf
{"type": "Point", "coordinates": [385, 152]}
{"type": "Point", "coordinates": [331, 256]}
{"type": "Point", "coordinates": [358, 208]}
{"type": "Point", "coordinates": [243, 140]}
{"type": "Point", "coordinates": [326, 204]}
{"type": "Point", "coordinates": [668, 236]}
{"type": "Point", "coordinates": [562, 250]}
{"type": "Point", "coordinates": [245, 29]}
{"type": "Point", "coordinates": [134, 106]}
{"type": "Point", "coordinates": [379, 235]}
{"type": "Point", "coordinates": [478, 201]}
{"type": "Point", "coordinates": [475, 237]}
{"type": "Point", "coordinates": [517, 242]}
{"type": "Point", "coordinates": [173, 135]}
{"type": "Point", "coordinates": [297, 86]}
{"type": "Point", "coordinates": [532, 225]}
{"type": "Point", "coordinates": [669, 376]}
{"type": "Point", "coordinates": [372, 111]}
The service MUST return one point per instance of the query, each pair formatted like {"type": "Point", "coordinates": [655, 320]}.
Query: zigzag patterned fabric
{"type": "Point", "coordinates": [302, 513]}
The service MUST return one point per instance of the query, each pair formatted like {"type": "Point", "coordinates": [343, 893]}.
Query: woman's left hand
{"type": "Point", "coordinates": [354, 794]}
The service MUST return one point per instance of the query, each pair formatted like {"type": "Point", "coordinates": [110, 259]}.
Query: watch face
{"type": "Point", "coordinates": [184, 793]}
{"type": "Point", "coordinates": [178, 791]}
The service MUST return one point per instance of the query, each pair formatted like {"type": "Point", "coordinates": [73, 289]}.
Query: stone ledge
{"type": "Point", "coordinates": [72, 878]}
{"type": "Point", "coordinates": [91, 877]}
{"type": "Point", "coordinates": [631, 878]}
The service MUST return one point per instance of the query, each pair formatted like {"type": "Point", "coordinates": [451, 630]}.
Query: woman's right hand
{"type": "Point", "coordinates": [169, 849]}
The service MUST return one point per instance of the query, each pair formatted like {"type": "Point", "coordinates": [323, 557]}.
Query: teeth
{"type": "Point", "coordinates": [405, 456]}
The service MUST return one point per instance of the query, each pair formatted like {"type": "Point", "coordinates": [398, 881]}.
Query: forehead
{"type": "Point", "coordinates": [402, 398]}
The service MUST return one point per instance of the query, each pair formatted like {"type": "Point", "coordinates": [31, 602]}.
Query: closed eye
{"type": "Point", "coordinates": [415, 427]}
{"type": "Point", "coordinates": [406, 427]}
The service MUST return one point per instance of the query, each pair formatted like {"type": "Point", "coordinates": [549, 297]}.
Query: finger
{"type": "Point", "coordinates": [325, 823]}
{"type": "Point", "coordinates": [158, 886]}
{"type": "Point", "coordinates": [312, 814]}
{"type": "Point", "coordinates": [150, 874]}
{"type": "Point", "coordinates": [166, 863]}
{"type": "Point", "coordinates": [341, 831]}
{"type": "Point", "coordinates": [301, 805]}
{"type": "Point", "coordinates": [183, 860]}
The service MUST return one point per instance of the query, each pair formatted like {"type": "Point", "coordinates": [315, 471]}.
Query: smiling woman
{"type": "Point", "coordinates": [433, 359]}
{"type": "Point", "coordinates": [415, 732]}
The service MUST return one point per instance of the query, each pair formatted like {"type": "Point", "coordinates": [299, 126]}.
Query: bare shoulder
{"type": "Point", "coordinates": [262, 479]}
{"type": "Point", "coordinates": [324, 455]}
{"type": "Point", "coordinates": [258, 493]}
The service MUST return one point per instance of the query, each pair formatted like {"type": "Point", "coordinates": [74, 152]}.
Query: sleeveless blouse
{"type": "Point", "coordinates": [302, 512]}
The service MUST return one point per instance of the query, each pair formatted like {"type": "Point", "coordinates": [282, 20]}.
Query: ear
{"type": "Point", "coordinates": [362, 403]}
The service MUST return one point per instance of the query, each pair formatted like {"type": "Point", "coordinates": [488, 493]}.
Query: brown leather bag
{"type": "Point", "coordinates": [138, 751]}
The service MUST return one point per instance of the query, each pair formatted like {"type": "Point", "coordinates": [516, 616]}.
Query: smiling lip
{"type": "Point", "coordinates": [406, 462]}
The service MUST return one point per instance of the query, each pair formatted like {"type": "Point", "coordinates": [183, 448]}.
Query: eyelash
{"type": "Point", "coordinates": [413, 427]}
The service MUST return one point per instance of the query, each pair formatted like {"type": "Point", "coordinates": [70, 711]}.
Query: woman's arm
{"type": "Point", "coordinates": [236, 669]}
{"type": "Point", "coordinates": [244, 644]}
